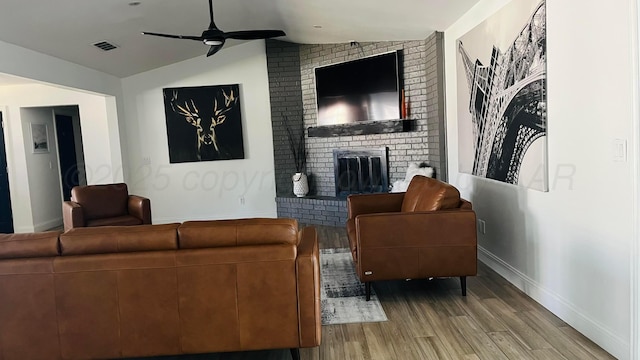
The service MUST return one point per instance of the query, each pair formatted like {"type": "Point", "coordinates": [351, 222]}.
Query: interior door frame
{"type": "Point", "coordinates": [4, 130]}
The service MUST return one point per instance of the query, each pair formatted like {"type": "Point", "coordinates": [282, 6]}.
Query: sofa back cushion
{"type": "Point", "coordinates": [29, 245]}
{"type": "Point", "coordinates": [119, 239]}
{"type": "Point", "coordinates": [220, 233]}
{"type": "Point", "coordinates": [101, 201]}
{"type": "Point", "coordinates": [428, 194]}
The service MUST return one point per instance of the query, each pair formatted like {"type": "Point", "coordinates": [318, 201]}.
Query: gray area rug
{"type": "Point", "coordinates": [343, 296]}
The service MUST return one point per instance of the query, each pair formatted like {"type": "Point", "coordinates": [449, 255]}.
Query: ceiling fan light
{"type": "Point", "coordinates": [212, 42]}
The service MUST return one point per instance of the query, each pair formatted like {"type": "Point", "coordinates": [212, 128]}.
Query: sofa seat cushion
{"type": "Point", "coordinates": [101, 201]}
{"type": "Point", "coordinates": [221, 233]}
{"type": "Point", "coordinates": [427, 194]}
{"type": "Point", "coordinates": [119, 239]}
{"type": "Point", "coordinates": [42, 244]}
{"type": "Point", "coordinates": [124, 220]}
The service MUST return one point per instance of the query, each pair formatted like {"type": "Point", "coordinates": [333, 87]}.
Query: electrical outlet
{"type": "Point", "coordinates": [146, 160]}
{"type": "Point", "coordinates": [481, 226]}
{"type": "Point", "coordinates": [241, 200]}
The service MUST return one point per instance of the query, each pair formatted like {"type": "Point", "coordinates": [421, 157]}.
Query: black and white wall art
{"type": "Point", "coordinates": [502, 96]}
{"type": "Point", "coordinates": [203, 123]}
{"type": "Point", "coordinates": [39, 138]}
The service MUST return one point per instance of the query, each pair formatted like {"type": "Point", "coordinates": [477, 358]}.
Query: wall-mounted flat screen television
{"type": "Point", "coordinates": [366, 89]}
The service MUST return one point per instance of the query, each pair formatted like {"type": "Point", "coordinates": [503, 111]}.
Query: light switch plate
{"type": "Point", "coordinates": [619, 150]}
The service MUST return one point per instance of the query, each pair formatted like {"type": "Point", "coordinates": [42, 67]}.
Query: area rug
{"type": "Point", "coordinates": [343, 296]}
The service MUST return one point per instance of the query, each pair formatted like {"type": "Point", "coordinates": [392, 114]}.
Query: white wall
{"type": "Point", "coordinates": [208, 189]}
{"type": "Point", "coordinates": [99, 147]}
{"type": "Point", "coordinates": [43, 171]}
{"type": "Point", "coordinates": [16, 60]}
{"type": "Point", "coordinates": [102, 116]}
{"type": "Point", "coordinates": [568, 248]}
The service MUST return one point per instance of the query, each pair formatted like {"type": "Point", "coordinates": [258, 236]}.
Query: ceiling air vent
{"type": "Point", "coordinates": [104, 45]}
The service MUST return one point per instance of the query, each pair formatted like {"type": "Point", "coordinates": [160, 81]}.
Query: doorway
{"type": "Point", "coordinates": [67, 155]}
{"type": "Point", "coordinates": [6, 214]}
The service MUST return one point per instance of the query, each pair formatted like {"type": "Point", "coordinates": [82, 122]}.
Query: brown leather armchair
{"type": "Point", "coordinates": [102, 205]}
{"type": "Point", "coordinates": [429, 231]}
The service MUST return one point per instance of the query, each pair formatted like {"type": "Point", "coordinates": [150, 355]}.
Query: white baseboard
{"type": "Point", "coordinates": [23, 229]}
{"type": "Point", "coordinates": [196, 218]}
{"type": "Point", "coordinates": [562, 308]}
{"type": "Point", "coordinates": [47, 225]}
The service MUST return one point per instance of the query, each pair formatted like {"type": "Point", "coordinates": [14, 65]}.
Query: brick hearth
{"type": "Point", "coordinates": [318, 210]}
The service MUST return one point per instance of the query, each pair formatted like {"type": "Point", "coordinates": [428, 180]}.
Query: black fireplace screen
{"type": "Point", "coordinates": [360, 171]}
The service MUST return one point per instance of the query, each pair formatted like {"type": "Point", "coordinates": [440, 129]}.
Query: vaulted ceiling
{"type": "Point", "coordinates": [67, 28]}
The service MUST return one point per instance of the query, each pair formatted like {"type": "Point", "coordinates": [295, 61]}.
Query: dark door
{"type": "Point", "coordinates": [67, 154]}
{"type": "Point", "coordinates": [6, 215]}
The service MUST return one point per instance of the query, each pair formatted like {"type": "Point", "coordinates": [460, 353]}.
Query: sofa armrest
{"type": "Point", "coordinates": [140, 207]}
{"type": "Point", "coordinates": [72, 215]}
{"type": "Point", "coordinates": [373, 203]}
{"type": "Point", "coordinates": [416, 229]}
{"type": "Point", "coordinates": [308, 273]}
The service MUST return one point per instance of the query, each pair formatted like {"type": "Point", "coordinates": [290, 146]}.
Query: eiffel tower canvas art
{"type": "Point", "coordinates": [502, 96]}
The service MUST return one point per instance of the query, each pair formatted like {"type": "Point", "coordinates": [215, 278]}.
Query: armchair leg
{"type": "Point", "coordinates": [463, 285]}
{"type": "Point", "coordinates": [367, 289]}
{"type": "Point", "coordinates": [295, 353]}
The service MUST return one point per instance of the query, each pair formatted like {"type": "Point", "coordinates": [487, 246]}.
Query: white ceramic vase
{"type": "Point", "coordinates": [300, 184]}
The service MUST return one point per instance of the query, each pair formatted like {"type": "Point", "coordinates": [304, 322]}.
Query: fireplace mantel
{"type": "Point", "coordinates": [362, 128]}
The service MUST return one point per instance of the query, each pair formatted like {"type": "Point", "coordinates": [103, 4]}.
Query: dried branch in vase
{"type": "Point", "coordinates": [297, 145]}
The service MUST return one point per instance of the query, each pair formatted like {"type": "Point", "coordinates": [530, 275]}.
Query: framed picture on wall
{"type": "Point", "coordinates": [204, 123]}
{"type": "Point", "coordinates": [502, 96]}
{"type": "Point", "coordinates": [39, 138]}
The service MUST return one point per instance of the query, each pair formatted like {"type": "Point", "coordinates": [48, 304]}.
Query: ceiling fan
{"type": "Point", "coordinates": [215, 37]}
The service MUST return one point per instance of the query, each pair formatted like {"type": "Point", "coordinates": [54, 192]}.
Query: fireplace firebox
{"type": "Point", "coordinates": [360, 171]}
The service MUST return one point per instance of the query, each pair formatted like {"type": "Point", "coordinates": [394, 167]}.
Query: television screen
{"type": "Point", "coordinates": [362, 90]}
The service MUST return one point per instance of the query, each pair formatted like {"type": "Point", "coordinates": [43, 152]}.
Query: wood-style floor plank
{"type": "Point", "coordinates": [430, 320]}
{"type": "Point", "coordinates": [481, 343]}
{"type": "Point", "coordinates": [451, 339]}
{"type": "Point", "coordinates": [440, 349]}
{"type": "Point", "coordinates": [520, 328]}
{"type": "Point", "coordinates": [414, 324]}
{"type": "Point", "coordinates": [510, 346]}
{"type": "Point", "coordinates": [377, 342]}
{"type": "Point", "coordinates": [587, 344]}
{"type": "Point", "coordinates": [556, 337]}
{"type": "Point", "coordinates": [483, 316]}
{"type": "Point", "coordinates": [548, 354]}
{"type": "Point", "coordinates": [428, 349]}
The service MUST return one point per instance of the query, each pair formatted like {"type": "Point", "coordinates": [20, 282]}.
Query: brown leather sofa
{"type": "Point", "coordinates": [102, 205]}
{"type": "Point", "coordinates": [429, 231]}
{"type": "Point", "coordinates": [134, 291]}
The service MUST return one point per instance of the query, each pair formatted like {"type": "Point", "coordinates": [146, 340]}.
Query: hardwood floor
{"type": "Point", "coordinates": [431, 320]}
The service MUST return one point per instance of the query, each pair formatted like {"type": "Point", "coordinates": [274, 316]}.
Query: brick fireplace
{"type": "Point", "coordinates": [291, 85]}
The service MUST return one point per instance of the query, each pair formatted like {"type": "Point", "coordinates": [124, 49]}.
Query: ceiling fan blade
{"type": "Point", "coordinates": [188, 37]}
{"type": "Point", "coordinates": [214, 49]}
{"type": "Point", "coordinates": [253, 34]}
{"type": "Point", "coordinates": [215, 37]}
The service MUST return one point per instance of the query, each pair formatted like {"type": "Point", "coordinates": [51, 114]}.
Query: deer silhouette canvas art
{"type": "Point", "coordinates": [204, 123]}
